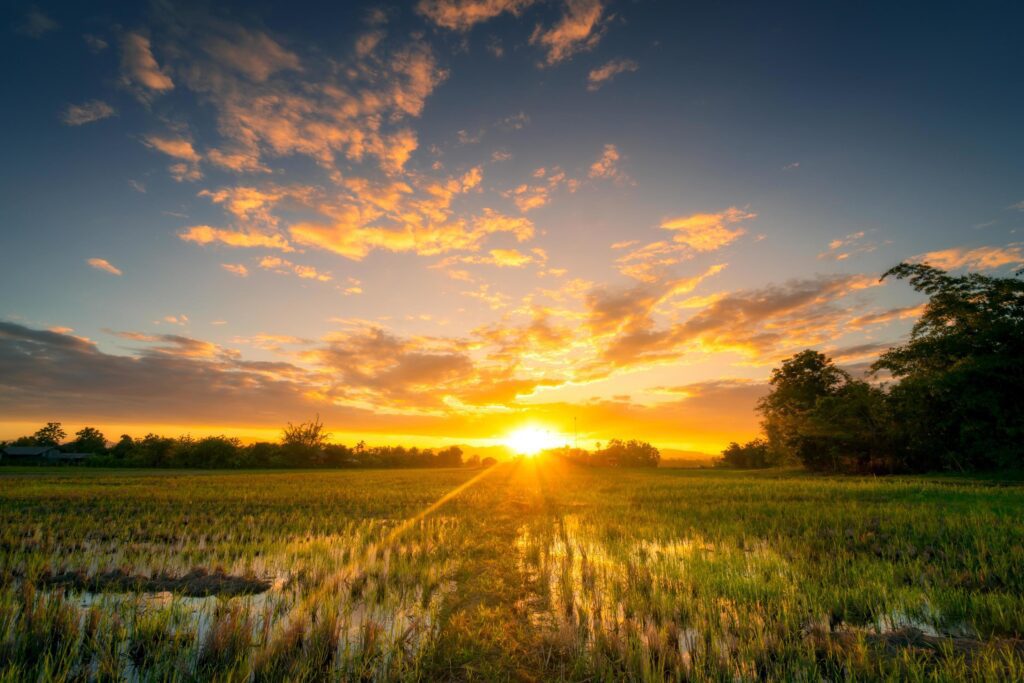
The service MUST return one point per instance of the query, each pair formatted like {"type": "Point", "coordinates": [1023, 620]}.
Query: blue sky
{"type": "Point", "coordinates": [447, 219]}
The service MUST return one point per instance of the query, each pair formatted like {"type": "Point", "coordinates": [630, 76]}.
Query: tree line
{"type": "Point", "coordinates": [950, 399]}
{"type": "Point", "coordinates": [305, 445]}
{"type": "Point", "coordinates": [616, 453]}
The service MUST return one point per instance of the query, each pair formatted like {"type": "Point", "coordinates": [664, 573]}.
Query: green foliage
{"type": "Point", "coordinates": [616, 453]}
{"type": "Point", "coordinates": [957, 404]}
{"type": "Point", "coordinates": [960, 398]}
{"type": "Point", "coordinates": [752, 455]}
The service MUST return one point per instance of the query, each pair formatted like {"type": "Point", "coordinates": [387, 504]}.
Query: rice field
{"type": "Point", "coordinates": [530, 570]}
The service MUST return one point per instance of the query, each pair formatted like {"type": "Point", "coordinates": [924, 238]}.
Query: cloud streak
{"type": "Point", "coordinates": [87, 112]}
{"type": "Point", "coordinates": [104, 265]}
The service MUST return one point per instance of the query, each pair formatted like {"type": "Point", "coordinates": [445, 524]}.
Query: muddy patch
{"type": "Point", "coordinates": [197, 583]}
{"type": "Point", "coordinates": [909, 638]}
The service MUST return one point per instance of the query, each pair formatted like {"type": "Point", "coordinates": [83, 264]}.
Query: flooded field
{"type": "Point", "coordinates": [527, 571]}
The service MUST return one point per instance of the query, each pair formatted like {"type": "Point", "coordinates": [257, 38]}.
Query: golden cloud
{"type": "Point", "coordinates": [139, 66]}
{"type": "Point", "coordinates": [606, 72]}
{"type": "Point", "coordinates": [204, 234]}
{"type": "Point", "coordinates": [105, 265]}
{"type": "Point", "coordinates": [978, 258]}
{"type": "Point", "coordinates": [579, 29]}
{"type": "Point", "coordinates": [708, 231]}
{"type": "Point", "coordinates": [462, 15]}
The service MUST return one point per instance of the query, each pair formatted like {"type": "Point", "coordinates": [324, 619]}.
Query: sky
{"type": "Point", "coordinates": [443, 221]}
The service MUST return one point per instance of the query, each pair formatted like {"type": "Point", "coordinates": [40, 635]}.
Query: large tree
{"type": "Point", "coordinates": [796, 388]}
{"type": "Point", "coordinates": [960, 396]}
{"type": "Point", "coordinates": [89, 440]}
{"type": "Point", "coordinates": [50, 435]}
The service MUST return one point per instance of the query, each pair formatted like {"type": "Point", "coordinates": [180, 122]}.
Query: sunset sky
{"type": "Point", "coordinates": [441, 221]}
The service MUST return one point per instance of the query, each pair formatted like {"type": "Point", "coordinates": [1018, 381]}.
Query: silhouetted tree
{"type": "Point", "coordinates": [796, 388]}
{"type": "Point", "coordinates": [50, 435]}
{"type": "Point", "coordinates": [123, 447]}
{"type": "Point", "coordinates": [959, 403]}
{"type": "Point", "coordinates": [303, 444]}
{"type": "Point", "coordinates": [754, 454]}
{"type": "Point", "coordinates": [89, 440]}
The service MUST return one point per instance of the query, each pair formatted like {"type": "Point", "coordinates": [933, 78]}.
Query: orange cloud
{"type": "Point", "coordinates": [280, 265]}
{"type": "Point", "coordinates": [105, 265]}
{"type": "Point", "coordinates": [579, 29]}
{"type": "Point", "coordinates": [178, 148]}
{"type": "Point", "coordinates": [236, 269]}
{"type": "Point", "coordinates": [462, 15]}
{"type": "Point", "coordinates": [252, 53]}
{"type": "Point", "coordinates": [88, 112]}
{"type": "Point", "coordinates": [979, 258]}
{"type": "Point", "coordinates": [605, 73]}
{"type": "Point", "coordinates": [139, 66]}
{"type": "Point", "coordinates": [708, 231]}
{"type": "Point", "coordinates": [607, 166]}
{"type": "Point", "coordinates": [204, 234]}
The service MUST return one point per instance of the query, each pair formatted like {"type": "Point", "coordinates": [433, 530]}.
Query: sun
{"type": "Point", "coordinates": [530, 441]}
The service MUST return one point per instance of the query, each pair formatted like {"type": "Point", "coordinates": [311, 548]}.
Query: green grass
{"type": "Point", "coordinates": [527, 571]}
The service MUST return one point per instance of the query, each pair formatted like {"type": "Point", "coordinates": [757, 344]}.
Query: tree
{"type": "Point", "coordinates": [754, 454]}
{"type": "Point", "coordinates": [123, 447]}
{"type": "Point", "coordinates": [303, 444]}
{"type": "Point", "coordinates": [796, 388]}
{"type": "Point", "coordinates": [630, 453]}
{"type": "Point", "coordinates": [959, 402]}
{"type": "Point", "coordinates": [850, 431]}
{"type": "Point", "coordinates": [50, 435]}
{"type": "Point", "coordinates": [89, 440]}
{"type": "Point", "coordinates": [449, 457]}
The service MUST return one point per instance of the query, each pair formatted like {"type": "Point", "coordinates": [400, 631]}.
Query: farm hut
{"type": "Point", "coordinates": [71, 458]}
{"type": "Point", "coordinates": [19, 454]}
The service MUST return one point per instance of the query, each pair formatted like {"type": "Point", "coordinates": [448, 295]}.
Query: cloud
{"type": "Point", "coordinates": [251, 53]}
{"type": "Point", "coordinates": [284, 266]}
{"type": "Point", "coordinates": [708, 231]}
{"type": "Point", "coordinates": [375, 363]}
{"type": "Point", "coordinates": [502, 258]}
{"type": "Point", "coordinates": [355, 241]}
{"type": "Point", "coordinates": [171, 379]}
{"type": "Point", "coordinates": [853, 244]}
{"type": "Point", "coordinates": [178, 148]}
{"type": "Point", "coordinates": [607, 166]}
{"type": "Point", "coordinates": [139, 66]}
{"type": "Point", "coordinates": [268, 103]}
{"type": "Point", "coordinates": [529, 196]}
{"type": "Point", "coordinates": [36, 24]}
{"type": "Point", "coordinates": [87, 112]}
{"type": "Point", "coordinates": [579, 29]}
{"type": "Point", "coordinates": [95, 43]}
{"type": "Point", "coordinates": [978, 258]}
{"type": "Point", "coordinates": [462, 15]}
{"type": "Point", "coordinates": [761, 323]}
{"type": "Point", "coordinates": [885, 317]}
{"type": "Point", "coordinates": [239, 161]}
{"type": "Point", "coordinates": [236, 269]}
{"type": "Point", "coordinates": [103, 264]}
{"type": "Point", "coordinates": [700, 232]}
{"type": "Point", "coordinates": [365, 381]}
{"type": "Point", "coordinates": [204, 234]}
{"type": "Point", "coordinates": [605, 73]}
